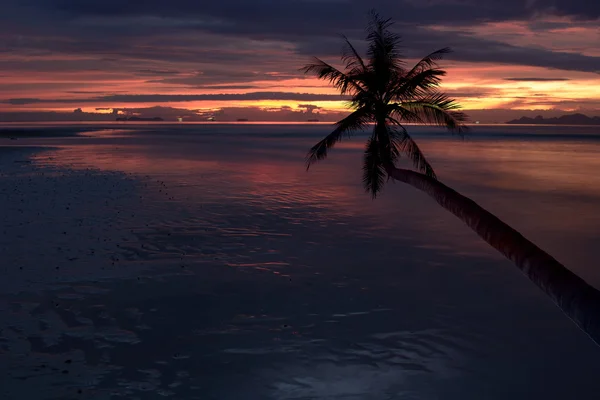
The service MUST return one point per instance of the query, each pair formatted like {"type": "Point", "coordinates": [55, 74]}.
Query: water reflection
{"type": "Point", "coordinates": [232, 273]}
{"type": "Point", "coordinates": [547, 189]}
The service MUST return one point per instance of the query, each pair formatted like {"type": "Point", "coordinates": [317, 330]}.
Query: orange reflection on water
{"type": "Point", "coordinates": [129, 159]}
{"type": "Point", "coordinates": [510, 164]}
{"type": "Point", "coordinates": [548, 190]}
{"type": "Point", "coordinates": [524, 165]}
{"type": "Point", "coordinates": [201, 171]}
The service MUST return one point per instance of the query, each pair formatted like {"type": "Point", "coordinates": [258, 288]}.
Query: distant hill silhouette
{"type": "Point", "coordinates": [139, 119]}
{"type": "Point", "coordinates": [570, 119]}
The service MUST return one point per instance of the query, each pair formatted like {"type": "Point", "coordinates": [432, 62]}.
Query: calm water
{"type": "Point", "coordinates": [204, 262]}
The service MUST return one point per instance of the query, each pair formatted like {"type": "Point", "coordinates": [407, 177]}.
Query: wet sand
{"type": "Point", "coordinates": [153, 265]}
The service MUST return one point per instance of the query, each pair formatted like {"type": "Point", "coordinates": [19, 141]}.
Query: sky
{"type": "Point", "coordinates": [93, 60]}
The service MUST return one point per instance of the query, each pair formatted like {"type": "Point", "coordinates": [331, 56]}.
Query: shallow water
{"type": "Point", "coordinates": [204, 262]}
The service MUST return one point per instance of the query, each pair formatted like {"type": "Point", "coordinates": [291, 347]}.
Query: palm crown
{"type": "Point", "coordinates": [385, 93]}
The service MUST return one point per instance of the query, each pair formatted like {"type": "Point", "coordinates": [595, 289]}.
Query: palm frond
{"type": "Point", "coordinates": [429, 61]}
{"type": "Point", "coordinates": [343, 82]}
{"type": "Point", "coordinates": [438, 109]}
{"type": "Point", "coordinates": [373, 168]}
{"type": "Point", "coordinates": [352, 59]}
{"type": "Point", "coordinates": [419, 84]}
{"type": "Point", "coordinates": [384, 49]}
{"type": "Point", "coordinates": [382, 41]}
{"type": "Point", "coordinates": [353, 122]}
{"type": "Point", "coordinates": [397, 111]}
{"type": "Point", "coordinates": [421, 79]}
{"type": "Point", "coordinates": [362, 99]}
{"type": "Point", "coordinates": [406, 145]}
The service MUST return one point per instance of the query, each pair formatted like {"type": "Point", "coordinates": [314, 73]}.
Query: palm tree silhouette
{"type": "Point", "coordinates": [386, 94]}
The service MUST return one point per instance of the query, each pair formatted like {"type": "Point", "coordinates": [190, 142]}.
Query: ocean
{"type": "Point", "coordinates": [202, 261]}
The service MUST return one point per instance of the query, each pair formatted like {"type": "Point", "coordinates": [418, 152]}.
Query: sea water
{"type": "Point", "coordinates": [204, 262]}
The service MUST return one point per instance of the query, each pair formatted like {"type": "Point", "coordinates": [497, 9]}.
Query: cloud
{"type": "Point", "coordinates": [472, 48]}
{"type": "Point", "coordinates": [172, 98]}
{"type": "Point", "coordinates": [538, 79]}
{"type": "Point", "coordinates": [258, 12]}
{"type": "Point", "coordinates": [86, 92]}
{"type": "Point", "coordinates": [112, 47]}
{"type": "Point", "coordinates": [23, 101]}
{"type": "Point", "coordinates": [208, 76]}
{"type": "Point", "coordinates": [472, 92]}
{"type": "Point", "coordinates": [155, 72]}
{"type": "Point", "coordinates": [237, 33]}
{"type": "Point", "coordinates": [310, 108]}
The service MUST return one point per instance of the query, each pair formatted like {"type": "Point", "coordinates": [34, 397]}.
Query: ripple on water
{"type": "Point", "coordinates": [178, 279]}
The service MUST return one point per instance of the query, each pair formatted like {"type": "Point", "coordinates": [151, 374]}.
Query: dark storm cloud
{"type": "Point", "coordinates": [475, 50]}
{"type": "Point", "coordinates": [175, 31]}
{"type": "Point", "coordinates": [155, 72]}
{"type": "Point", "coordinates": [84, 92]}
{"type": "Point", "coordinates": [207, 77]}
{"type": "Point", "coordinates": [475, 92]}
{"type": "Point", "coordinates": [166, 98]}
{"type": "Point", "coordinates": [201, 44]}
{"type": "Point", "coordinates": [592, 105]}
{"type": "Point", "coordinates": [278, 12]}
{"type": "Point", "coordinates": [420, 41]}
{"type": "Point", "coordinates": [272, 19]}
{"type": "Point", "coordinates": [533, 79]}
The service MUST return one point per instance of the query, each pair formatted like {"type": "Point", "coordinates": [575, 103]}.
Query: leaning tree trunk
{"type": "Point", "coordinates": [576, 298]}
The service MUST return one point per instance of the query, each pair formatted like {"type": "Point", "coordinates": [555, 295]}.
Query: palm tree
{"type": "Point", "coordinates": [386, 94]}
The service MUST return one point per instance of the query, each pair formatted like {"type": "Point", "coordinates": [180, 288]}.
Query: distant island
{"type": "Point", "coordinates": [139, 119]}
{"type": "Point", "coordinates": [570, 119]}
{"type": "Point", "coordinates": [313, 120]}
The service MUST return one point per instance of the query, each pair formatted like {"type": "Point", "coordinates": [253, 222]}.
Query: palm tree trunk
{"type": "Point", "coordinates": [576, 298]}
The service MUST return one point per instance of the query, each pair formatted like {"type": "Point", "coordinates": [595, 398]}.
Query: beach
{"type": "Point", "coordinates": [203, 261]}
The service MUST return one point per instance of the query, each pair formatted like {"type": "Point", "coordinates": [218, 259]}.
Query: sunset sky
{"type": "Point", "coordinates": [240, 58]}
